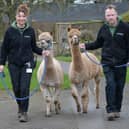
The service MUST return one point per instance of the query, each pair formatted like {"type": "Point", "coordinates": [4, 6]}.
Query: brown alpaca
{"type": "Point", "coordinates": [51, 84]}
{"type": "Point", "coordinates": [81, 71]}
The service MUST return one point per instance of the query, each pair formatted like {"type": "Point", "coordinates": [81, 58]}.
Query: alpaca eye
{"type": "Point", "coordinates": [48, 41]}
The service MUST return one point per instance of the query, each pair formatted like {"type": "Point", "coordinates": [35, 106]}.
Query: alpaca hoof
{"type": "Point", "coordinates": [47, 115]}
{"type": "Point", "coordinates": [57, 113]}
{"type": "Point", "coordinates": [97, 107]}
{"type": "Point", "coordinates": [84, 112]}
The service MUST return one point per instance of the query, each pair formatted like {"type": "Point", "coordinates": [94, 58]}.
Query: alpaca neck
{"type": "Point", "coordinates": [50, 68]}
{"type": "Point", "coordinates": [49, 61]}
{"type": "Point", "coordinates": [76, 58]}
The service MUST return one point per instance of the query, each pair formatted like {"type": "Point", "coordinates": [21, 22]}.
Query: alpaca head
{"type": "Point", "coordinates": [74, 36]}
{"type": "Point", "coordinates": [45, 40]}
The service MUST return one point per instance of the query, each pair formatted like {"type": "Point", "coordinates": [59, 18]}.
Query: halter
{"type": "Point", "coordinates": [76, 43]}
{"type": "Point", "coordinates": [49, 45]}
{"type": "Point", "coordinates": [2, 78]}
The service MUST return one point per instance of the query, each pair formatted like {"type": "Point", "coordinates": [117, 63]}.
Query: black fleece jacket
{"type": "Point", "coordinates": [115, 48]}
{"type": "Point", "coordinates": [18, 47]}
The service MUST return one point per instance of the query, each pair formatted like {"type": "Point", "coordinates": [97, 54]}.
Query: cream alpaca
{"type": "Point", "coordinates": [51, 85]}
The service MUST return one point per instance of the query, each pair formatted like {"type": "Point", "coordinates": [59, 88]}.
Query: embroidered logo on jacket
{"type": "Point", "coordinates": [121, 34]}
{"type": "Point", "coordinates": [27, 36]}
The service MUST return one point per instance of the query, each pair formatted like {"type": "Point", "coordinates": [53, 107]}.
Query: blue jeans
{"type": "Point", "coordinates": [115, 81]}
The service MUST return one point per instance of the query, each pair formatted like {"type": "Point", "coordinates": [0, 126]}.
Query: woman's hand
{"type": "Point", "coordinates": [1, 68]}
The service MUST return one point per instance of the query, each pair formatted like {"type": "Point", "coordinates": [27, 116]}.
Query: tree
{"type": "Point", "coordinates": [60, 4]}
{"type": "Point", "coordinates": [7, 8]}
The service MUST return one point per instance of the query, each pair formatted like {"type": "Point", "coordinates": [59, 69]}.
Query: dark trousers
{"type": "Point", "coordinates": [115, 81]}
{"type": "Point", "coordinates": [21, 85]}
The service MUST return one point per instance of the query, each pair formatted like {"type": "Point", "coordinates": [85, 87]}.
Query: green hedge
{"type": "Point", "coordinates": [125, 16]}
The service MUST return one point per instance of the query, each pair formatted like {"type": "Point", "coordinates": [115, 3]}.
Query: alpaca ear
{"type": "Point", "coordinates": [80, 27]}
{"type": "Point", "coordinates": [51, 33]}
{"type": "Point", "coordinates": [39, 31]}
{"type": "Point", "coordinates": [69, 28]}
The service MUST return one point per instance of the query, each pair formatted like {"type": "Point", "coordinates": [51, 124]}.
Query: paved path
{"type": "Point", "coordinates": [65, 66]}
{"type": "Point", "coordinates": [68, 118]}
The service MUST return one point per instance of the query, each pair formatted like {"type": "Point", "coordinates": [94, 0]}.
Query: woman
{"type": "Point", "coordinates": [18, 47]}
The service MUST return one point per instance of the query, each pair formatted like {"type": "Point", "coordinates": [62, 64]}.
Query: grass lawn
{"type": "Point", "coordinates": [34, 82]}
{"type": "Point", "coordinates": [64, 58]}
{"type": "Point", "coordinates": [127, 77]}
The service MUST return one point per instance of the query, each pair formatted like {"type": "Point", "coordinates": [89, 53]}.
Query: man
{"type": "Point", "coordinates": [113, 38]}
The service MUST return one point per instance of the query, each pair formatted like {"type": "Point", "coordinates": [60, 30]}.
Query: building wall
{"type": "Point", "coordinates": [59, 31]}
{"type": "Point", "coordinates": [61, 34]}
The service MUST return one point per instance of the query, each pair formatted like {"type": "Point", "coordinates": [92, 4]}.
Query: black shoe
{"type": "Point", "coordinates": [111, 116]}
{"type": "Point", "coordinates": [24, 117]}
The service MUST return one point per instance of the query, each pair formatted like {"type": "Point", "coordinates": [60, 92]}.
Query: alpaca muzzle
{"type": "Point", "coordinates": [46, 44]}
{"type": "Point", "coordinates": [75, 40]}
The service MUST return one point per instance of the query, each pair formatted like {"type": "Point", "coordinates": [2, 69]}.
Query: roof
{"type": "Point", "coordinates": [75, 12]}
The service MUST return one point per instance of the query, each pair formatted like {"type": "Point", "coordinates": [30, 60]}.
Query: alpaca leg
{"type": "Point", "coordinates": [97, 81]}
{"type": "Point", "coordinates": [85, 99]}
{"type": "Point", "coordinates": [48, 106]}
{"type": "Point", "coordinates": [48, 100]}
{"type": "Point", "coordinates": [57, 106]}
{"type": "Point", "coordinates": [76, 97]}
{"type": "Point", "coordinates": [57, 101]}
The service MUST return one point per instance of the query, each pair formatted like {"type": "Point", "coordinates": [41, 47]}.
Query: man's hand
{"type": "Point", "coordinates": [128, 64]}
{"type": "Point", "coordinates": [46, 52]}
{"type": "Point", "coordinates": [82, 45]}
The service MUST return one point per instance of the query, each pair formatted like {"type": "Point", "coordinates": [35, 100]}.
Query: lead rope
{"type": "Point", "coordinates": [2, 78]}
